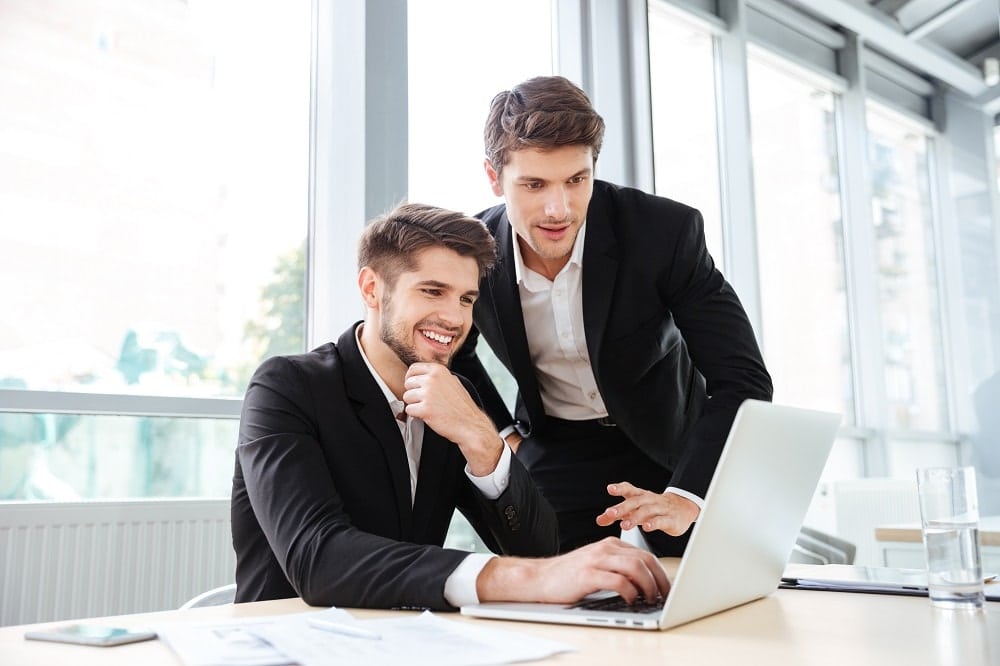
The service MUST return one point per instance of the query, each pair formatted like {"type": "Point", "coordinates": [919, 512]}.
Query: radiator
{"type": "Point", "coordinates": [861, 505]}
{"type": "Point", "coordinates": [85, 559]}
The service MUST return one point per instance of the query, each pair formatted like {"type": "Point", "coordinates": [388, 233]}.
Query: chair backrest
{"type": "Point", "coordinates": [816, 547]}
{"type": "Point", "coordinates": [218, 596]}
{"type": "Point", "coordinates": [848, 549]}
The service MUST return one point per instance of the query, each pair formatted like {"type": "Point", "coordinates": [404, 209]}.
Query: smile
{"type": "Point", "coordinates": [437, 337]}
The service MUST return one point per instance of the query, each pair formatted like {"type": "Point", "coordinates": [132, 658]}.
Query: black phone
{"type": "Point", "coordinates": [91, 634]}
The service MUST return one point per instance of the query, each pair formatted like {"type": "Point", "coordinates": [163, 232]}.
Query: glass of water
{"type": "Point", "coordinates": [949, 513]}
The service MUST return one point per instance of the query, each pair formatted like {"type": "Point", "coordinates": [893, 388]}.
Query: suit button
{"type": "Point", "coordinates": [510, 512]}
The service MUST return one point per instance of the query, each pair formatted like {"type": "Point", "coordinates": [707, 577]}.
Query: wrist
{"type": "Point", "coordinates": [508, 579]}
{"type": "Point", "coordinates": [482, 448]}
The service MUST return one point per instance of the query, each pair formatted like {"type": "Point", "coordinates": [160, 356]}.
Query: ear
{"type": "Point", "coordinates": [494, 178]}
{"type": "Point", "coordinates": [369, 285]}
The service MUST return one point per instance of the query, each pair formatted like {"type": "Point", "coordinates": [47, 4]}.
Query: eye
{"type": "Point", "coordinates": [468, 300]}
{"type": "Point", "coordinates": [431, 291]}
{"type": "Point", "coordinates": [576, 180]}
{"type": "Point", "coordinates": [533, 185]}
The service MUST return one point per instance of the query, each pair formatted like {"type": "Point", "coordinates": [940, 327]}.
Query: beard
{"type": "Point", "coordinates": [395, 335]}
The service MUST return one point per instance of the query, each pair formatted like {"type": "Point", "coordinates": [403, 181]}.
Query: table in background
{"type": "Point", "coordinates": [902, 545]}
{"type": "Point", "coordinates": [788, 627]}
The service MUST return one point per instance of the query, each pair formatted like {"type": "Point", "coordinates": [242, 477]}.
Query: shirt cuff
{"type": "Point", "coordinates": [460, 587]}
{"type": "Point", "coordinates": [492, 485]}
{"type": "Point", "coordinates": [683, 493]}
{"type": "Point", "coordinates": [512, 428]}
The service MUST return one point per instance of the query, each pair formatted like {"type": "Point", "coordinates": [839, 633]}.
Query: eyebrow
{"type": "Point", "coordinates": [582, 172]}
{"type": "Point", "coordinates": [444, 285]}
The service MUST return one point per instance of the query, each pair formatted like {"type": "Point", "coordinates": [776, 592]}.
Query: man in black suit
{"type": "Point", "coordinates": [352, 457]}
{"type": "Point", "coordinates": [630, 350]}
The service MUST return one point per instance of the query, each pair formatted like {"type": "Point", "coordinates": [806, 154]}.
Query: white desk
{"type": "Point", "coordinates": [902, 544]}
{"type": "Point", "coordinates": [789, 627]}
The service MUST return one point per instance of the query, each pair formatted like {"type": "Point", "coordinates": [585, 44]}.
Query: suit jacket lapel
{"type": "Point", "coordinates": [374, 412]}
{"type": "Point", "coordinates": [600, 268]}
{"type": "Point", "coordinates": [430, 481]}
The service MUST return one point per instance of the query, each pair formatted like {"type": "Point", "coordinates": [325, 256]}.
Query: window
{"type": "Point", "coordinates": [800, 235]}
{"type": "Point", "coordinates": [450, 95]}
{"type": "Point", "coordinates": [451, 84]}
{"type": "Point", "coordinates": [685, 134]}
{"type": "Point", "coordinates": [907, 274]}
{"type": "Point", "coordinates": [996, 153]}
{"type": "Point", "coordinates": [153, 187]}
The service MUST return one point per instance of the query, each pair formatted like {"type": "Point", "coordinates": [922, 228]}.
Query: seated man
{"type": "Point", "coordinates": [352, 457]}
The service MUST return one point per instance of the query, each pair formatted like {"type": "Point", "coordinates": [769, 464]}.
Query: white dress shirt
{"type": "Point", "coordinates": [460, 587]}
{"type": "Point", "coordinates": [557, 342]}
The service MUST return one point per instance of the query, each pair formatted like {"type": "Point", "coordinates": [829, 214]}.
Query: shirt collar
{"type": "Point", "coordinates": [575, 257]}
{"type": "Point", "coordinates": [395, 404]}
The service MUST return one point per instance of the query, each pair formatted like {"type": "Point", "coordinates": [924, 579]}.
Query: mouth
{"type": "Point", "coordinates": [441, 339]}
{"type": "Point", "coordinates": [554, 231]}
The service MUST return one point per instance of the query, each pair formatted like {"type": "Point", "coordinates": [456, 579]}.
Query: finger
{"type": "Point", "coordinates": [631, 511]}
{"type": "Point", "coordinates": [633, 565]}
{"type": "Point", "coordinates": [648, 513]}
{"type": "Point", "coordinates": [666, 523]}
{"type": "Point", "coordinates": [420, 368]}
{"type": "Point", "coordinates": [658, 573]}
{"type": "Point", "coordinates": [624, 489]}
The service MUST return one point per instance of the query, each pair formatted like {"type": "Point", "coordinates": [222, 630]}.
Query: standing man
{"type": "Point", "coordinates": [630, 350]}
{"type": "Point", "coordinates": [353, 457]}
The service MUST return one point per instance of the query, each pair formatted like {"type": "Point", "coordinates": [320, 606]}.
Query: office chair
{"type": "Point", "coordinates": [218, 596]}
{"type": "Point", "coordinates": [817, 547]}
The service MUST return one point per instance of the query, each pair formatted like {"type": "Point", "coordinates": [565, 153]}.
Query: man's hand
{"type": "Point", "coordinates": [609, 564]}
{"type": "Point", "coordinates": [436, 396]}
{"type": "Point", "coordinates": [668, 512]}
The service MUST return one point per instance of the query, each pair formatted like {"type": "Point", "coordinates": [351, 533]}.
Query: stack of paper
{"type": "Point", "coordinates": [334, 636]}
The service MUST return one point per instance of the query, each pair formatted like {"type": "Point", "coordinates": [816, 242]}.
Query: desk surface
{"type": "Point", "coordinates": [989, 532]}
{"type": "Point", "coordinates": [787, 627]}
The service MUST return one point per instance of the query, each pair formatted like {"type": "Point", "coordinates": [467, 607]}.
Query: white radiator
{"type": "Point", "coordinates": [82, 559]}
{"type": "Point", "coordinates": [861, 505]}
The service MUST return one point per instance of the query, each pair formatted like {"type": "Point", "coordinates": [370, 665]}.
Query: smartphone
{"type": "Point", "coordinates": [91, 634]}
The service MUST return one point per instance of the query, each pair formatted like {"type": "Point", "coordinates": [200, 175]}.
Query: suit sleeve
{"type": "Point", "coordinates": [327, 560]}
{"type": "Point", "coordinates": [466, 363]}
{"type": "Point", "coordinates": [722, 346]}
{"type": "Point", "coordinates": [519, 522]}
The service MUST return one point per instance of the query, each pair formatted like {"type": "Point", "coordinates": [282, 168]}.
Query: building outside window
{"type": "Point", "coordinates": [800, 237]}
{"type": "Point", "coordinates": [153, 193]}
{"type": "Point", "coordinates": [685, 131]}
{"type": "Point", "coordinates": [909, 302]}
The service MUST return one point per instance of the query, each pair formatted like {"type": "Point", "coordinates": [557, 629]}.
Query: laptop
{"type": "Point", "coordinates": [754, 508]}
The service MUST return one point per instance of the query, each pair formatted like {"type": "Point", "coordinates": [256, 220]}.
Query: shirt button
{"type": "Point", "coordinates": [592, 395]}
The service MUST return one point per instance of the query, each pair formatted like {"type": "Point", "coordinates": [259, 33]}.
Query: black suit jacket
{"type": "Point", "coordinates": [321, 503]}
{"type": "Point", "coordinates": [671, 347]}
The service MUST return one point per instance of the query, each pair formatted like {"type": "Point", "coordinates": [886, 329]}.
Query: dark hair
{"type": "Point", "coordinates": [543, 112]}
{"type": "Point", "coordinates": [389, 244]}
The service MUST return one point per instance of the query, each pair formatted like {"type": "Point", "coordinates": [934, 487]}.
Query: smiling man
{"type": "Point", "coordinates": [353, 457]}
{"type": "Point", "coordinates": [630, 350]}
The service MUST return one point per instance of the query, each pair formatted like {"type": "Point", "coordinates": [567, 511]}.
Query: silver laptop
{"type": "Point", "coordinates": [754, 507]}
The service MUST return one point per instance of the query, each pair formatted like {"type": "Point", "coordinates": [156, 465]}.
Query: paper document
{"type": "Point", "coordinates": [335, 636]}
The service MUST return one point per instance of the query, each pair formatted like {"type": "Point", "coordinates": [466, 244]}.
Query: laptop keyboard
{"type": "Point", "coordinates": [616, 603]}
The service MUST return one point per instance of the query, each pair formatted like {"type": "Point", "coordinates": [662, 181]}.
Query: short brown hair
{"type": "Point", "coordinates": [389, 244]}
{"type": "Point", "coordinates": [543, 112]}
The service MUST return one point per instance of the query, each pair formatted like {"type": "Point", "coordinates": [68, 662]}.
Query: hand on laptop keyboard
{"type": "Point", "coordinates": [617, 603]}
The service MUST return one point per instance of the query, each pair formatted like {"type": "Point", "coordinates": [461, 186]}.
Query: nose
{"type": "Point", "coordinates": [452, 314]}
{"type": "Point", "coordinates": [557, 204]}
